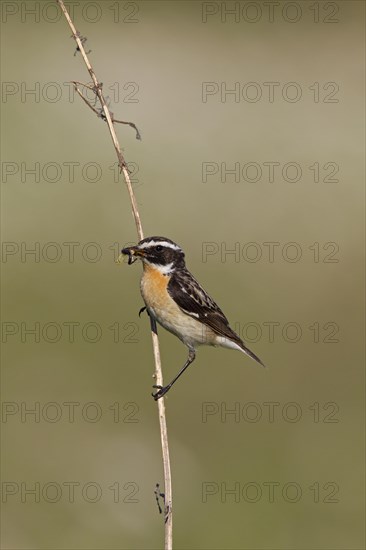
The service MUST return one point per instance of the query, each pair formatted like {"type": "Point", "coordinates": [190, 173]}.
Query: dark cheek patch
{"type": "Point", "coordinates": [170, 256]}
{"type": "Point", "coordinates": [163, 258]}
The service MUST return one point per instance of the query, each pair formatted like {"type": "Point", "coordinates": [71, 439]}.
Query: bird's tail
{"type": "Point", "coordinates": [229, 339]}
{"type": "Point", "coordinates": [247, 351]}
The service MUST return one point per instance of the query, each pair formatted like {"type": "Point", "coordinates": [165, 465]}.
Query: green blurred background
{"type": "Point", "coordinates": [153, 58]}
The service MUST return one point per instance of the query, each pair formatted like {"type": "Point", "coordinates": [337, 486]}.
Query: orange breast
{"type": "Point", "coordinates": [154, 288]}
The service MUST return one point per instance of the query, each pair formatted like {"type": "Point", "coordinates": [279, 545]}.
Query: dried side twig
{"type": "Point", "coordinates": [98, 112]}
{"type": "Point", "coordinates": [108, 117]}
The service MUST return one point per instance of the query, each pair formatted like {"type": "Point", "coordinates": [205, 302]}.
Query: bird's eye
{"type": "Point", "coordinates": [159, 248]}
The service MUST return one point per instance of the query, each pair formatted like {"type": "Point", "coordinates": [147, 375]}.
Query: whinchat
{"type": "Point", "coordinates": [177, 301]}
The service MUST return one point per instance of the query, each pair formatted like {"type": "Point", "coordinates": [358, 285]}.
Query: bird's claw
{"type": "Point", "coordinates": [142, 310]}
{"type": "Point", "coordinates": [162, 391]}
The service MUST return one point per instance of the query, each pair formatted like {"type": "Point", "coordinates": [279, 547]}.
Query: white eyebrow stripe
{"type": "Point", "coordinates": [162, 243]}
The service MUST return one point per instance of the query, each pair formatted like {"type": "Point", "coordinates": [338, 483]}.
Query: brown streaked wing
{"type": "Point", "coordinates": [193, 300]}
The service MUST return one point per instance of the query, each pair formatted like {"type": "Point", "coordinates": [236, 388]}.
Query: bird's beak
{"type": "Point", "coordinates": [133, 253]}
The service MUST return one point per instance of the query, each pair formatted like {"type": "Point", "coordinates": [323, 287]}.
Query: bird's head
{"type": "Point", "coordinates": [159, 252]}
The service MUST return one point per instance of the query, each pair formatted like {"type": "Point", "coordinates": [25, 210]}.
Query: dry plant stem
{"type": "Point", "coordinates": [158, 371]}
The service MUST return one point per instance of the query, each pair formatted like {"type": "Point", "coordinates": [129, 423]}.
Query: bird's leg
{"type": "Point", "coordinates": [153, 326]}
{"type": "Point", "coordinates": [164, 389]}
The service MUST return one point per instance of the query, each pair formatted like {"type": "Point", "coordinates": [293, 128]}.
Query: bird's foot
{"type": "Point", "coordinates": [162, 391]}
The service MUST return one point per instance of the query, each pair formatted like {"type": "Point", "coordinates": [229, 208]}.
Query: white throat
{"type": "Point", "coordinates": [164, 269]}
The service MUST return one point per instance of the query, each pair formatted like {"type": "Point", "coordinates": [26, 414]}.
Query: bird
{"type": "Point", "coordinates": [176, 300]}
